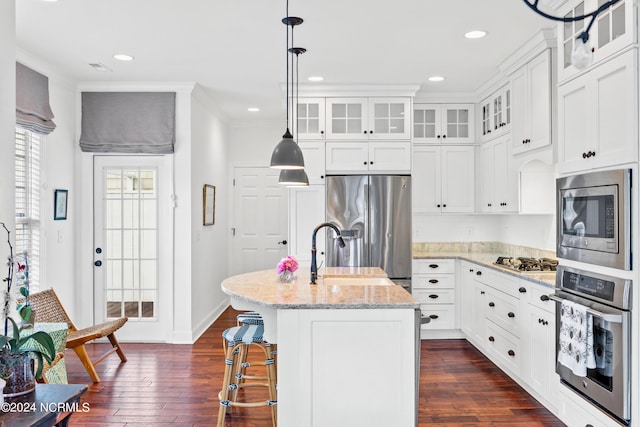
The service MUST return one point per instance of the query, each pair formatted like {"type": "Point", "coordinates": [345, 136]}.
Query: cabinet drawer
{"type": "Point", "coordinates": [442, 316]}
{"type": "Point", "coordinates": [504, 346]}
{"type": "Point", "coordinates": [502, 309]}
{"type": "Point", "coordinates": [539, 297]}
{"type": "Point", "coordinates": [501, 281]}
{"type": "Point", "coordinates": [433, 281]}
{"type": "Point", "coordinates": [436, 296]}
{"type": "Point", "coordinates": [446, 266]}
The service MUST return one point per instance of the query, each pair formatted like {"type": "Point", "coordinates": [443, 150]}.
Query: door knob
{"type": "Point", "coordinates": [97, 263]}
{"type": "Point", "coordinates": [284, 242]}
{"type": "Point", "coordinates": [98, 250]}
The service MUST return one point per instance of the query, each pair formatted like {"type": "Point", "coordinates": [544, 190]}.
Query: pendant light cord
{"type": "Point", "coordinates": [287, 61]}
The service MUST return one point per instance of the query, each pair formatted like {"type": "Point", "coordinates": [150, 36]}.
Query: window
{"type": "Point", "coordinates": [27, 233]}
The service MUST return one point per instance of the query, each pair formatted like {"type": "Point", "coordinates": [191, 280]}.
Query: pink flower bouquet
{"type": "Point", "coordinates": [286, 267]}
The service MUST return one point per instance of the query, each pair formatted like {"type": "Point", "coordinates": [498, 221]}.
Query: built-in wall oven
{"type": "Point", "coordinates": [605, 379]}
{"type": "Point", "coordinates": [594, 218]}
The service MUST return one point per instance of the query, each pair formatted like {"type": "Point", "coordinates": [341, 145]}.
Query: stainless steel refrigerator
{"type": "Point", "coordinates": [373, 213]}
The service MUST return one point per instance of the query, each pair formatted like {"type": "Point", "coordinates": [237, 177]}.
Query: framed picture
{"type": "Point", "coordinates": [208, 204]}
{"type": "Point", "coordinates": [60, 204]}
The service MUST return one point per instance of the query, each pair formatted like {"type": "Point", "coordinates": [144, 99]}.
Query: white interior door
{"type": "Point", "coordinates": [259, 219]}
{"type": "Point", "coordinates": [130, 254]}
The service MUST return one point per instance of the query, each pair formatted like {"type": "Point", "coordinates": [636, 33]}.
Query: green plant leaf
{"type": "Point", "coordinates": [39, 365]}
{"type": "Point", "coordinates": [46, 348]}
{"type": "Point", "coordinates": [16, 331]}
{"type": "Point", "coordinates": [25, 312]}
{"type": "Point", "coordinates": [24, 291]}
{"type": "Point", "coordinates": [3, 341]}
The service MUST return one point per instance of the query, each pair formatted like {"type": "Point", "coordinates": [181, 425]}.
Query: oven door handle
{"type": "Point", "coordinates": [613, 318]}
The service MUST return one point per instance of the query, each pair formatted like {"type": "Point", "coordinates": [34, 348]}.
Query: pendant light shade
{"type": "Point", "coordinates": [293, 178]}
{"type": "Point", "coordinates": [287, 154]}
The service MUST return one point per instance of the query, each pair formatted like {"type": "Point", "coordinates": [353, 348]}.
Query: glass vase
{"type": "Point", "coordinates": [22, 380]}
{"type": "Point", "coordinates": [286, 276]}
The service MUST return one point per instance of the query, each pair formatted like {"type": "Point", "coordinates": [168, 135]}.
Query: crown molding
{"type": "Point", "coordinates": [544, 39]}
{"type": "Point", "coordinates": [352, 90]}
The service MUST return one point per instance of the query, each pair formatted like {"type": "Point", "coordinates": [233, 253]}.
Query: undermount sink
{"type": "Point", "coordinates": [357, 281]}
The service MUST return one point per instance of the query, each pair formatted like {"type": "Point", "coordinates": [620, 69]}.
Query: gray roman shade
{"type": "Point", "coordinates": [33, 111]}
{"type": "Point", "coordinates": [128, 122]}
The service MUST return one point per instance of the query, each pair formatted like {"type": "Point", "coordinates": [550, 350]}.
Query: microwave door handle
{"type": "Point", "coordinates": [613, 318]}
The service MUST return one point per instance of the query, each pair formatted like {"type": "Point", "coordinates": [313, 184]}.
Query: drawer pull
{"type": "Point", "coordinates": [433, 296]}
{"type": "Point", "coordinates": [511, 353]}
{"type": "Point", "coordinates": [433, 266]}
{"type": "Point", "coordinates": [478, 273]}
{"type": "Point", "coordinates": [492, 339]}
{"type": "Point", "coordinates": [492, 304]}
{"type": "Point", "coordinates": [511, 314]}
{"type": "Point", "coordinates": [544, 298]}
{"type": "Point", "coordinates": [433, 281]}
{"type": "Point", "coordinates": [481, 292]}
{"type": "Point", "coordinates": [433, 316]}
{"type": "Point", "coordinates": [522, 290]}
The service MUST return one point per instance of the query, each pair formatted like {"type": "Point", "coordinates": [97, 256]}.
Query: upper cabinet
{"type": "Point", "coordinates": [598, 116]}
{"type": "Point", "coordinates": [496, 113]}
{"type": "Point", "coordinates": [531, 90]}
{"type": "Point", "coordinates": [612, 31]}
{"type": "Point", "coordinates": [310, 119]}
{"type": "Point", "coordinates": [373, 156]}
{"type": "Point", "coordinates": [314, 160]}
{"type": "Point", "coordinates": [443, 123]}
{"type": "Point", "coordinates": [368, 118]}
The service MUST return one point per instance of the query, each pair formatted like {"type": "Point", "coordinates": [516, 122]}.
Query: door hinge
{"type": "Point", "coordinates": [233, 231]}
{"type": "Point", "coordinates": [234, 182]}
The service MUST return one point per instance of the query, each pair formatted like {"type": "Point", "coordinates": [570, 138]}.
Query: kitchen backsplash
{"type": "Point", "coordinates": [503, 249]}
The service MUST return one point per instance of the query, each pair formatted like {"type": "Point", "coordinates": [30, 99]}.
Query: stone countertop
{"type": "Point", "coordinates": [352, 272]}
{"type": "Point", "coordinates": [265, 288]}
{"type": "Point", "coordinates": [487, 259]}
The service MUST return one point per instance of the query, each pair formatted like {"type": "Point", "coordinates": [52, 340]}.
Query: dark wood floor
{"type": "Point", "coordinates": [177, 386]}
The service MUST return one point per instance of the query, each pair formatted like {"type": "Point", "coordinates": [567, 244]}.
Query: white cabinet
{"type": "Point", "coordinates": [306, 211]}
{"type": "Point", "coordinates": [314, 160]}
{"type": "Point", "coordinates": [598, 116]}
{"type": "Point", "coordinates": [443, 179]}
{"type": "Point", "coordinates": [496, 114]}
{"type": "Point", "coordinates": [309, 119]}
{"type": "Point", "coordinates": [532, 86]}
{"type": "Point", "coordinates": [433, 284]}
{"type": "Point", "coordinates": [540, 344]}
{"type": "Point", "coordinates": [473, 304]}
{"type": "Point", "coordinates": [498, 180]}
{"type": "Point", "coordinates": [368, 118]}
{"type": "Point", "coordinates": [443, 123]}
{"type": "Point", "coordinates": [614, 30]}
{"type": "Point", "coordinates": [358, 157]}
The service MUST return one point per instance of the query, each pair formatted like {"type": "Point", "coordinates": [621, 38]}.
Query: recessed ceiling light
{"type": "Point", "coordinates": [475, 34]}
{"type": "Point", "coordinates": [253, 109]}
{"type": "Point", "coordinates": [316, 78]}
{"type": "Point", "coordinates": [436, 78]}
{"type": "Point", "coordinates": [123, 57]}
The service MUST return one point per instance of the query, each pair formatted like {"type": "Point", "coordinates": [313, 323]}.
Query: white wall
{"type": "Point", "coordinates": [209, 245]}
{"type": "Point", "coordinates": [7, 123]}
{"type": "Point", "coordinates": [254, 141]}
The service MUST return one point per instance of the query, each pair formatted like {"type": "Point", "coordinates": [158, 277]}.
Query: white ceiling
{"type": "Point", "coordinates": [235, 49]}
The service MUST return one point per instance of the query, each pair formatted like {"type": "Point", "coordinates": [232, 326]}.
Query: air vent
{"type": "Point", "coordinates": [97, 66]}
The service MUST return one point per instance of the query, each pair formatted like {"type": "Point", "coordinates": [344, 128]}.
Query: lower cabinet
{"type": "Point", "coordinates": [434, 286]}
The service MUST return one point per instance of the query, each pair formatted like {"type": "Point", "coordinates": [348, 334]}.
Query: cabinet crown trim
{"type": "Point", "coordinates": [544, 39]}
{"type": "Point", "coordinates": [352, 90]}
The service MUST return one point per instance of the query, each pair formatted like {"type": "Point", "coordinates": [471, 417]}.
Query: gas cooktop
{"type": "Point", "coordinates": [528, 265]}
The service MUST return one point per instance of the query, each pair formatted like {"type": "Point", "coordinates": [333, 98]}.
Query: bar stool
{"type": "Point", "coordinates": [239, 339]}
{"type": "Point", "coordinates": [253, 318]}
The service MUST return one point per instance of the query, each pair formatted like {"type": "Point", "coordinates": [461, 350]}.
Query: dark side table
{"type": "Point", "coordinates": [50, 405]}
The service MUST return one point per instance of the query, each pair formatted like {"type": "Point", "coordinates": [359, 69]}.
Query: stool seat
{"type": "Point", "coordinates": [249, 318]}
{"type": "Point", "coordinates": [238, 340]}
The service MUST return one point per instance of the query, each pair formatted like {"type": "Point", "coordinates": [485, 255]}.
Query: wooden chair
{"type": "Point", "coordinates": [48, 308]}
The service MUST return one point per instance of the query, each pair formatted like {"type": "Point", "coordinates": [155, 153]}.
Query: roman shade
{"type": "Point", "coordinates": [128, 122]}
{"type": "Point", "coordinates": [33, 111]}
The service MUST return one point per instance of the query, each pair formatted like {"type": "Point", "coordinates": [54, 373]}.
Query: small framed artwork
{"type": "Point", "coordinates": [60, 204]}
{"type": "Point", "coordinates": [208, 204]}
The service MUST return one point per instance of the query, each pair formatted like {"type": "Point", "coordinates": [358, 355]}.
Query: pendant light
{"type": "Point", "coordinates": [582, 55]}
{"type": "Point", "coordinates": [287, 154]}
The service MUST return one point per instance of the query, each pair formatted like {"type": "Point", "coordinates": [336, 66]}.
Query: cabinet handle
{"type": "Point", "coordinates": [433, 296]}
{"type": "Point", "coordinates": [370, 131]}
{"type": "Point", "coordinates": [433, 266]}
{"type": "Point", "coordinates": [321, 132]}
{"type": "Point", "coordinates": [444, 136]}
{"type": "Point", "coordinates": [511, 314]}
{"type": "Point", "coordinates": [488, 130]}
{"type": "Point", "coordinates": [438, 136]}
{"type": "Point", "coordinates": [584, 155]}
{"type": "Point", "coordinates": [481, 292]}
{"type": "Point", "coordinates": [544, 298]}
{"type": "Point", "coordinates": [478, 273]}
{"type": "Point", "coordinates": [511, 353]}
{"type": "Point", "coordinates": [524, 141]}
{"type": "Point", "coordinates": [321, 176]}
{"type": "Point", "coordinates": [522, 290]}
{"type": "Point", "coordinates": [492, 339]}
{"type": "Point", "coordinates": [433, 281]}
{"type": "Point", "coordinates": [489, 204]}
{"type": "Point", "coordinates": [444, 206]}
{"type": "Point", "coordinates": [471, 270]}
{"type": "Point", "coordinates": [492, 304]}
{"type": "Point", "coordinates": [593, 153]}
{"type": "Point", "coordinates": [365, 132]}
{"type": "Point", "coordinates": [370, 163]}
{"type": "Point", "coordinates": [437, 205]}
{"type": "Point", "coordinates": [540, 321]}
{"type": "Point", "coordinates": [433, 316]}
{"type": "Point", "coordinates": [365, 162]}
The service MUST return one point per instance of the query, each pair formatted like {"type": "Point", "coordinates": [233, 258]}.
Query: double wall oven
{"type": "Point", "coordinates": [594, 228]}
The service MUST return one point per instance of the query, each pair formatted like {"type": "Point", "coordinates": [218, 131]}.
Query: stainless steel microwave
{"type": "Point", "coordinates": [594, 218]}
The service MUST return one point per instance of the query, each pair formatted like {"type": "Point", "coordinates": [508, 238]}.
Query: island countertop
{"type": "Point", "coordinates": [264, 288]}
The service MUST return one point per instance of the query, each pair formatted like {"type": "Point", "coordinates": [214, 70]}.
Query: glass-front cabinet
{"type": "Point", "coordinates": [443, 123]}
{"type": "Point", "coordinates": [310, 119]}
{"type": "Point", "coordinates": [496, 112]}
{"type": "Point", "coordinates": [368, 118]}
{"type": "Point", "coordinates": [612, 31]}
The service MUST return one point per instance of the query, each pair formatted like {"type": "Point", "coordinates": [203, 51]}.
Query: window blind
{"type": "Point", "coordinates": [128, 122]}
{"type": "Point", "coordinates": [27, 200]}
{"type": "Point", "coordinates": [33, 111]}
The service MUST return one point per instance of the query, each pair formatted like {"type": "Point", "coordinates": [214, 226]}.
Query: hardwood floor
{"type": "Point", "coordinates": [177, 386]}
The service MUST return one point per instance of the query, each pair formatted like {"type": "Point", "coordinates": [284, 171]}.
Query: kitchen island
{"type": "Point", "coordinates": [347, 347]}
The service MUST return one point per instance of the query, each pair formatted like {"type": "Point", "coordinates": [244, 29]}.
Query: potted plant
{"type": "Point", "coordinates": [20, 344]}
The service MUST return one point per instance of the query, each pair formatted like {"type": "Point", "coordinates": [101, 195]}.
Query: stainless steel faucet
{"type": "Point", "coordinates": [314, 263]}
